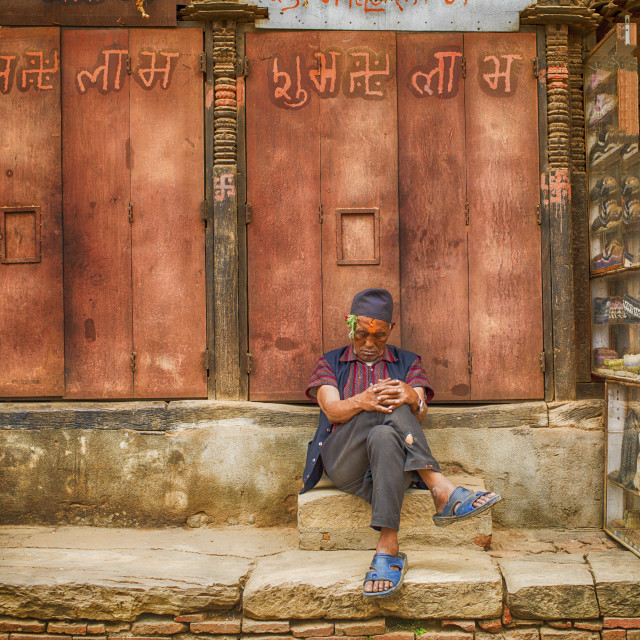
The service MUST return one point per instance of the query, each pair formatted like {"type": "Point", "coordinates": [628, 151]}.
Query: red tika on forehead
{"type": "Point", "coordinates": [372, 328]}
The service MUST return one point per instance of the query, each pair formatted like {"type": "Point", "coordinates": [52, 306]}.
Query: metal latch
{"type": "Point", "coordinates": [249, 363]}
{"type": "Point", "coordinates": [130, 211]}
{"type": "Point", "coordinates": [466, 214]}
{"type": "Point", "coordinates": [248, 213]}
{"type": "Point", "coordinates": [543, 362]}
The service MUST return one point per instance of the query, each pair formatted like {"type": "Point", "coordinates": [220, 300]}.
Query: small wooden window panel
{"type": "Point", "coordinates": [358, 236]}
{"type": "Point", "coordinates": [20, 235]}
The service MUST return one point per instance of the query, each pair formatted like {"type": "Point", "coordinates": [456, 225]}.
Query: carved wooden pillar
{"type": "Point", "coordinates": [226, 333]}
{"type": "Point", "coordinates": [559, 203]}
{"type": "Point", "coordinates": [579, 212]}
{"type": "Point", "coordinates": [225, 215]}
{"type": "Point", "coordinates": [564, 185]}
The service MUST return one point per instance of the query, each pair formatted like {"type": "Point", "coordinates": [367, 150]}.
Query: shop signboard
{"type": "Point", "coordinates": [393, 15]}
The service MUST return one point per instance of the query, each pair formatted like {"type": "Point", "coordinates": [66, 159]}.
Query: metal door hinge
{"type": "Point", "coordinates": [203, 62]}
{"type": "Point", "coordinates": [466, 214]}
{"type": "Point", "coordinates": [320, 213]}
{"type": "Point", "coordinates": [463, 67]}
{"type": "Point", "coordinates": [536, 71]}
{"type": "Point", "coordinates": [130, 212]}
{"type": "Point", "coordinates": [538, 214]}
{"type": "Point", "coordinates": [133, 361]}
{"type": "Point", "coordinates": [128, 64]}
{"type": "Point", "coordinates": [205, 361]}
{"type": "Point", "coordinates": [543, 362]}
{"type": "Point", "coordinates": [204, 210]}
{"type": "Point", "coordinates": [470, 362]}
{"type": "Point", "coordinates": [248, 213]}
{"type": "Point", "coordinates": [249, 363]}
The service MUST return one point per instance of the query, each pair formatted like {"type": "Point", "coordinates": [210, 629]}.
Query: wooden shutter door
{"type": "Point", "coordinates": [97, 232]}
{"type": "Point", "coordinates": [359, 155]}
{"type": "Point", "coordinates": [505, 289]}
{"type": "Point", "coordinates": [283, 237]}
{"type": "Point", "coordinates": [433, 235]}
{"type": "Point", "coordinates": [31, 307]}
{"type": "Point", "coordinates": [167, 189]}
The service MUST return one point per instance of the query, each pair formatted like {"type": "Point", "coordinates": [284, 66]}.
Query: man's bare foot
{"type": "Point", "coordinates": [387, 543]}
{"type": "Point", "coordinates": [441, 489]}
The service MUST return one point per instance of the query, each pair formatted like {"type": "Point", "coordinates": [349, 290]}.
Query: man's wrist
{"type": "Point", "coordinates": [417, 407]}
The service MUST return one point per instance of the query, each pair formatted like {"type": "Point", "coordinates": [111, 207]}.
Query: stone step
{"type": "Point", "coordinates": [330, 520]}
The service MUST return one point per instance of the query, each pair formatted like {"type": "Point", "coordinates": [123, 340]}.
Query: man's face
{"type": "Point", "coordinates": [370, 337]}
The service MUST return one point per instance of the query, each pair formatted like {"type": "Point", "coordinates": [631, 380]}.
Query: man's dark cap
{"type": "Point", "coordinates": [373, 303]}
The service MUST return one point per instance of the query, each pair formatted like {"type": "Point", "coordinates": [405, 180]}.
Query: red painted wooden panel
{"type": "Point", "coordinates": [359, 152]}
{"type": "Point", "coordinates": [504, 238]}
{"type": "Point", "coordinates": [167, 189]}
{"type": "Point", "coordinates": [31, 308]}
{"type": "Point", "coordinates": [97, 234]}
{"type": "Point", "coordinates": [283, 169]}
{"type": "Point", "coordinates": [432, 188]}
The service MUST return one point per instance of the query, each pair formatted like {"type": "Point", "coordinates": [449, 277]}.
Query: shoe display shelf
{"type": "Point", "coordinates": [613, 165]}
{"type": "Point", "coordinates": [622, 463]}
{"type": "Point", "coordinates": [611, 108]}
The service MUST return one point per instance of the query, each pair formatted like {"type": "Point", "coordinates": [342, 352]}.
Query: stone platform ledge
{"type": "Point", "coordinates": [80, 573]}
{"type": "Point", "coordinates": [329, 519]}
{"type": "Point", "coordinates": [148, 415]}
{"type": "Point", "coordinates": [549, 587]}
{"type": "Point", "coordinates": [316, 584]}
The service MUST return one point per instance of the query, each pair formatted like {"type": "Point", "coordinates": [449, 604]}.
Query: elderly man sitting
{"type": "Point", "coordinates": [373, 398]}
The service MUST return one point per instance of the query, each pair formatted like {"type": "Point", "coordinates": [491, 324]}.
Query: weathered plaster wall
{"type": "Point", "coordinates": [242, 462]}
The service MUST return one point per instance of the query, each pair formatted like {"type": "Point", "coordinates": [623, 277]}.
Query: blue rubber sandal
{"type": "Point", "coordinates": [463, 499]}
{"type": "Point", "coordinates": [381, 569]}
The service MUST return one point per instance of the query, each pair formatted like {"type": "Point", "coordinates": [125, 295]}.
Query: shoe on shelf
{"type": "Point", "coordinates": [631, 211]}
{"type": "Point", "coordinates": [611, 256]}
{"type": "Point", "coordinates": [607, 140]}
{"type": "Point", "coordinates": [631, 307]}
{"type": "Point", "coordinates": [603, 104]}
{"type": "Point", "coordinates": [607, 186]}
{"type": "Point", "coordinates": [598, 77]}
{"type": "Point", "coordinates": [630, 186]}
{"type": "Point", "coordinates": [601, 310]}
{"type": "Point", "coordinates": [612, 212]}
{"type": "Point", "coordinates": [598, 224]}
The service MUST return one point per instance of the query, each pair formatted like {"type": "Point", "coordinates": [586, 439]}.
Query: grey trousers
{"type": "Point", "coordinates": [368, 456]}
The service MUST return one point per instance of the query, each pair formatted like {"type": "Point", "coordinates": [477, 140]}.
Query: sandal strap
{"type": "Point", "coordinates": [392, 576]}
{"type": "Point", "coordinates": [466, 506]}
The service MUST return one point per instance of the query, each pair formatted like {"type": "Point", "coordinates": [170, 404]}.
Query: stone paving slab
{"type": "Point", "coordinates": [316, 584]}
{"type": "Point", "coordinates": [549, 587]}
{"type": "Point", "coordinates": [329, 519]}
{"type": "Point", "coordinates": [110, 584]}
{"type": "Point", "coordinates": [617, 578]}
{"type": "Point", "coordinates": [241, 541]}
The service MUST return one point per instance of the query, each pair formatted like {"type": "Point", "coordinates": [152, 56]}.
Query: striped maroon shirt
{"type": "Point", "coordinates": [362, 376]}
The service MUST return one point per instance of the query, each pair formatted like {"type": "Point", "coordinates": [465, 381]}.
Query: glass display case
{"type": "Point", "coordinates": [622, 468]}
{"type": "Point", "coordinates": [613, 165]}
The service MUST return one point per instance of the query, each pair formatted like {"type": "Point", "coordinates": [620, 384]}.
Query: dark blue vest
{"type": "Point", "coordinates": [398, 370]}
